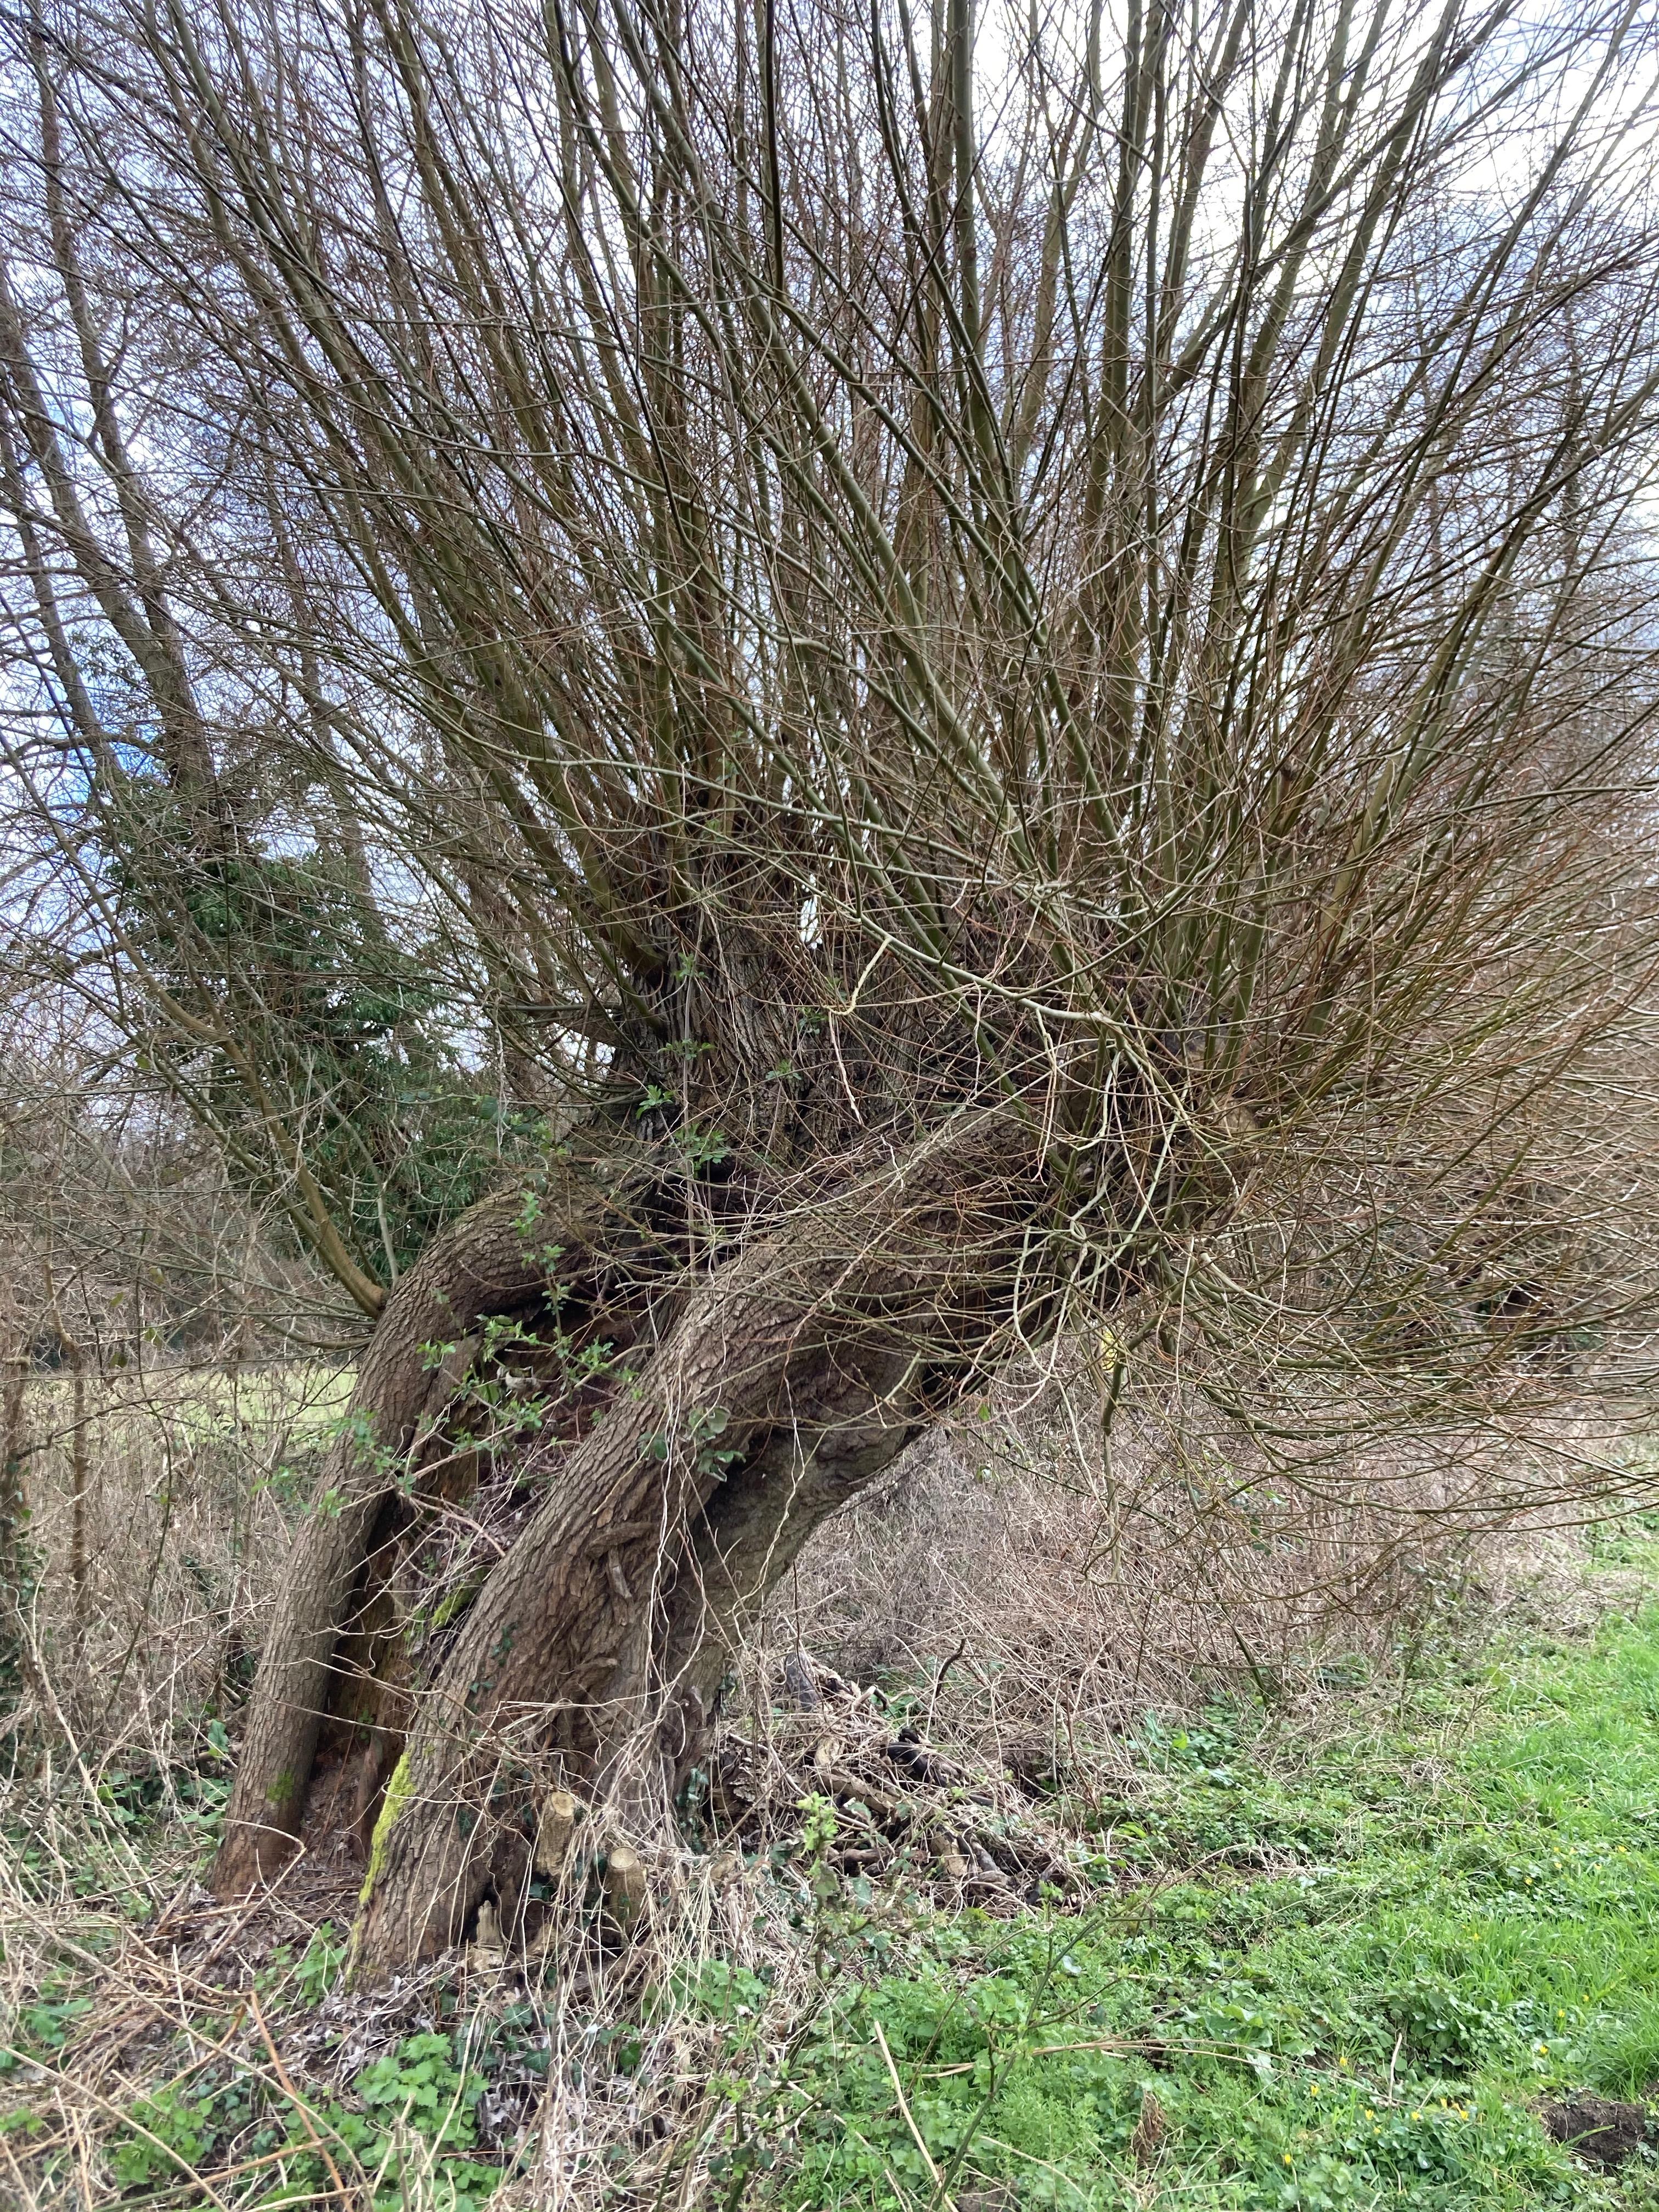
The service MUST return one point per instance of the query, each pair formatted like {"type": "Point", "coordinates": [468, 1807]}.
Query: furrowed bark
{"type": "Point", "coordinates": [749, 1534]}
{"type": "Point", "coordinates": [792, 1376]}
{"type": "Point", "coordinates": [485, 1265]}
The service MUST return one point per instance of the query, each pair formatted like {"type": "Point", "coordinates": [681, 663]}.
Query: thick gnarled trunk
{"type": "Point", "coordinates": [791, 1377]}
{"type": "Point", "coordinates": [759, 1391]}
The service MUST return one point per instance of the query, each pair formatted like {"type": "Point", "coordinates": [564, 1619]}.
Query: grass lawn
{"type": "Point", "coordinates": [1364, 1969]}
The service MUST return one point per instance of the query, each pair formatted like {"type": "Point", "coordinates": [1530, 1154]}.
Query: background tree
{"type": "Point", "coordinates": [1008, 677]}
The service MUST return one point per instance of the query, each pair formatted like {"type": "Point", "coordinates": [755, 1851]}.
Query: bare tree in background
{"type": "Point", "coordinates": [1008, 670]}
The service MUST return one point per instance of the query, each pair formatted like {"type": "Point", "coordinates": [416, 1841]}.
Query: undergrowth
{"type": "Point", "coordinates": [1347, 1964]}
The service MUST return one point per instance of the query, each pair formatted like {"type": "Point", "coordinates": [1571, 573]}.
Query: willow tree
{"type": "Point", "coordinates": [1018, 657]}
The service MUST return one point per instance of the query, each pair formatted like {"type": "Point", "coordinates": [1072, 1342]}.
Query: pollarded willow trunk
{"type": "Point", "coordinates": [792, 1376]}
{"type": "Point", "coordinates": [503, 1261]}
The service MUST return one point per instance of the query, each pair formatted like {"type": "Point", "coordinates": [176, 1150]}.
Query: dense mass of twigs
{"type": "Point", "coordinates": [821, 570]}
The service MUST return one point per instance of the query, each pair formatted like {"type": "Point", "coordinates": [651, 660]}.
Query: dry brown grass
{"type": "Point", "coordinates": [1037, 1586]}
{"type": "Point", "coordinates": [191, 1477]}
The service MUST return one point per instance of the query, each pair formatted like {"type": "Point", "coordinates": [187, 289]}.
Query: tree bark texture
{"type": "Point", "coordinates": [489, 1264]}
{"type": "Point", "coordinates": [792, 1376]}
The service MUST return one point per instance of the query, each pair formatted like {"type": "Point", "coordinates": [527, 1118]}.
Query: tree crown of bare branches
{"type": "Point", "coordinates": [1131, 615]}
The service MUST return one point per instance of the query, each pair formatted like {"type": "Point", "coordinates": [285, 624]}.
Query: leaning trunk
{"type": "Point", "coordinates": [792, 1376]}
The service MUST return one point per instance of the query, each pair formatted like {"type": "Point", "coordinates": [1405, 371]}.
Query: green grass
{"type": "Point", "coordinates": [1374, 1961]}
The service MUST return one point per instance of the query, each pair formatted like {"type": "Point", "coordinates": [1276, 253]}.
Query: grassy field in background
{"type": "Point", "coordinates": [302, 1398]}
